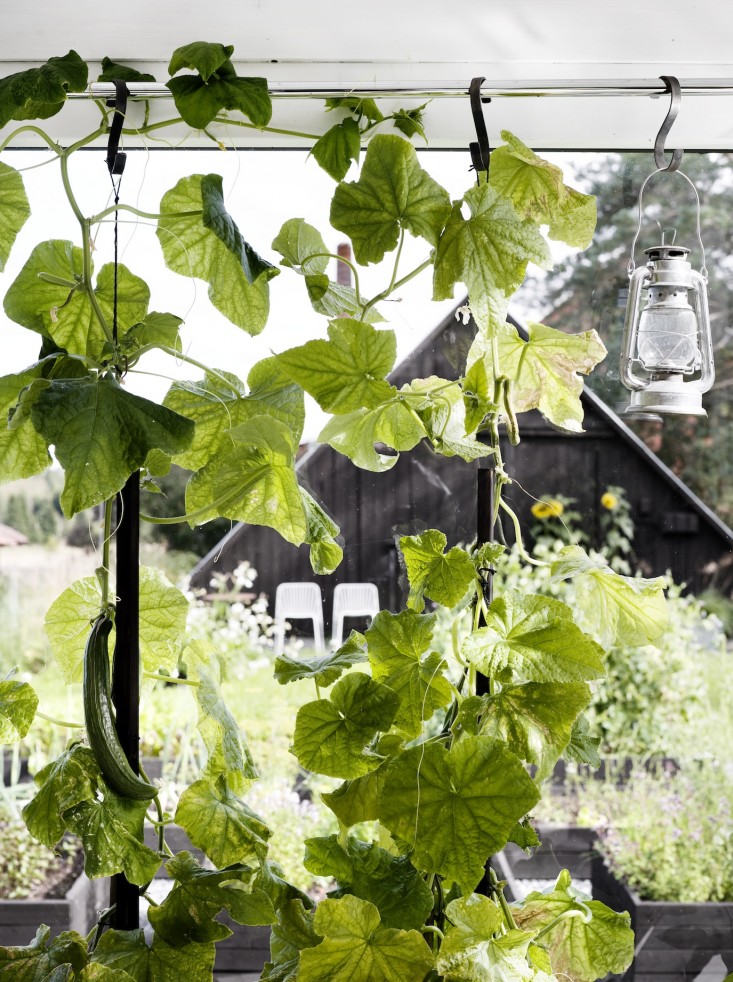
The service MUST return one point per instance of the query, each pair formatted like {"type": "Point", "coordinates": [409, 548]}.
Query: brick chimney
{"type": "Point", "coordinates": [343, 272]}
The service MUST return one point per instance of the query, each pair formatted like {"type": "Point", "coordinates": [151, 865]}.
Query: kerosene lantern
{"type": "Point", "coordinates": [667, 356]}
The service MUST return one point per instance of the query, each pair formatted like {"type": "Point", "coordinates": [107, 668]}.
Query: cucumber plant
{"type": "Point", "coordinates": [434, 766]}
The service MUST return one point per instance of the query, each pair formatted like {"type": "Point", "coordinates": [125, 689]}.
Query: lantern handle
{"type": "Point", "coordinates": [671, 85]}
{"type": "Point", "coordinates": [631, 265]}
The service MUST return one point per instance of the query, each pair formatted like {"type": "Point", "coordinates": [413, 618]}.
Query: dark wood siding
{"type": "Point", "coordinates": [423, 490]}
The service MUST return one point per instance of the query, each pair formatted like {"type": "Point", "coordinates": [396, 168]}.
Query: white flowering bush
{"type": "Point", "coordinates": [233, 618]}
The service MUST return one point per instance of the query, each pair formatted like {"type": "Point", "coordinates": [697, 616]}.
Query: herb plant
{"type": "Point", "coordinates": [431, 745]}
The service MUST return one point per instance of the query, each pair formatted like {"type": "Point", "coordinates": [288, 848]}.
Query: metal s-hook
{"type": "Point", "coordinates": [480, 150]}
{"type": "Point", "coordinates": [115, 158]}
{"type": "Point", "coordinates": [672, 86]}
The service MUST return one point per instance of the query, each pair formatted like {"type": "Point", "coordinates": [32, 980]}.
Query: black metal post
{"type": "Point", "coordinates": [484, 534]}
{"type": "Point", "coordinates": [126, 672]}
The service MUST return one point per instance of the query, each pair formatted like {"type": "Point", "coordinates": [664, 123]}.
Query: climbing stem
{"type": "Point", "coordinates": [154, 216]}
{"type": "Point", "coordinates": [103, 572]}
{"type": "Point", "coordinates": [395, 285]}
{"type": "Point", "coordinates": [505, 909]}
{"type": "Point", "coordinates": [174, 680]}
{"type": "Point", "coordinates": [518, 533]}
{"type": "Point", "coordinates": [59, 722]}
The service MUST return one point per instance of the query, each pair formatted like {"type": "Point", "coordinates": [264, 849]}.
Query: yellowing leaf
{"type": "Point", "coordinates": [488, 251]}
{"type": "Point", "coordinates": [546, 369]}
{"type": "Point", "coordinates": [537, 191]}
{"type": "Point", "coordinates": [619, 609]}
{"type": "Point", "coordinates": [14, 210]}
{"type": "Point", "coordinates": [357, 949]}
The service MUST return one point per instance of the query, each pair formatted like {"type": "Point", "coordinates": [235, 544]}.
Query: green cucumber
{"type": "Point", "coordinates": [99, 719]}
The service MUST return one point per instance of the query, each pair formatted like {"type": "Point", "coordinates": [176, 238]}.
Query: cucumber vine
{"type": "Point", "coordinates": [434, 770]}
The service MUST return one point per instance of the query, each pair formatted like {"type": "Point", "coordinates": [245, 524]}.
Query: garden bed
{"type": "Point", "coordinates": [674, 941]}
{"type": "Point", "coordinates": [77, 909]}
{"type": "Point", "coordinates": [561, 847]}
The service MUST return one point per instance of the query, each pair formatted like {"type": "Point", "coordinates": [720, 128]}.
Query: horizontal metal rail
{"type": "Point", "coordinates": [566, 88]}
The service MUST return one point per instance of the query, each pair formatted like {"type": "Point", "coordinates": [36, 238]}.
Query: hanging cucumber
{"type": "Point", "coordinates": [99, 720]}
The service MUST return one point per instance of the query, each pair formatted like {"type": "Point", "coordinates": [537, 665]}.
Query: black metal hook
{"type": "Point", "coordinates": [115, 159]}
{"type": "Point", "coordinates": [672, 86]}
{"type": "Point", "coordinates": [480, 150]}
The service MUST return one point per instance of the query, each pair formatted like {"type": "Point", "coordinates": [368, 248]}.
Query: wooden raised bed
{"type": "Point", "coordinates": [561, 847]}
{"type": "Point", "coordinates": [77, 911]}
{"type": "Point", "coordinates": [248, 948]}
{"type": "Point", "coordinates": [674, 941]}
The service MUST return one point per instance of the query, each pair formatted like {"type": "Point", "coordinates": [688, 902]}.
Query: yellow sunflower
{"type": "Point", "coordinates": [548, 509]}
{"type": "Point", "coordinates": [609, 500]}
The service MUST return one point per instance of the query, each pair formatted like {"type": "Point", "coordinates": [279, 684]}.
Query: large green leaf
{"type": "Point", "coordinates": [101, 434]}
{"type": "Point", "coordinates": [470, 954]}
{"type": "Point", "coordinates": [536, 720]}
{"type": "Point", "coordinates": [72, 795]}
{"type": "Point", "coordinates": [325, 669]}
{"type": "Point", "coordinates": [293, 932]}
{"type": "Point", "coordinates": [228, 754]}
{"type": "Point", "coordinates": [163, 611]}
{"type": "Point", "coordinates": [200, 100]}
{"type": "Point", "coordinates": [188, 912]}
{"type": "Point", "coordinates": [220, 823]}
{"type": "Point", "coordinates": [433, 572]}
{"type": "Point", "coordinates": [200, 56]}
{"type": "Point", "coordinates": [358, 800]}
{"type": "Point", "coordinates": [162, 624]}
{"type": "Point", "coordinates": [357, 949]}
{"type": "Point", "coordinates": [445, 418]}
{"type": "Point", "coordinates": [321, 535]}
{"type": "Point", "coordinates": [253, 480]}
{"type": "Point", "coordinates": [396, 645]}
{"type": "Point", "coordinates": [63, 311]}
{"type": "Point", "coordinates": [23, 452]}
{"type": "Point", "coordinates": [488, 251]}
{"type": "Point", "coordinates": [112, 71]}
{"type": "Point", "coordinates": [537, 190]}
{"type": "Point", "coordinates": [303, 249]}
{"type": "Point", "coordinates": [619, 609]}
{"type": "Point", "coordinates": [583, 746]}
{"type": "Point", "coordinates": [216, 407]}
{"type": "Point", "coordinates": [208, 245]}
{"type": "Point", "coordinates": [536, 638]}
{"type": "Point", "coordinates": [36, 962]}
{"type": "Point", "coordinates": [14, 210]}
{"type": "Point", "coordinates": [455, 807]}
{"type": "Point", "coordinates": [338, 146]}
{"type": "Point", "coordinates": [393, 193]}
{"type": "Point", "coordinates": [546, 371]}
{"type": "Point", "coordinates": [64, 783]}
{"type": "Point", "coordinates": [38, 93]}
{"type": "Point", "coordinates": [356, 434]}
{"type": "Point", "coordinates": [348, 371]}
{"type": "Point", "coordinates": [331, 734]}
{"type": "Point", "coordinates": [474, 950]}
{"type": "Point", "coordinates": [371, 873]}
{"type": "Point", "coordinates": [111, 831]}
{"type": "Point", "coordinates": [18, 705]}
{"type": "Point", "coordinates": [587, 940]}
{"type": "Point", "coordinates": [161, 962]}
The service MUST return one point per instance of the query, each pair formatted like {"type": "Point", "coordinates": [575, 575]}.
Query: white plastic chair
{"type": "Point", "coordinates": [299, 600]}
{"type": "Point", "coordinates": [352, 600]}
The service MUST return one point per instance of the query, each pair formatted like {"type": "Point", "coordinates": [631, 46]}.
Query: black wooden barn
{"type": "Point", "coordinates": [675, 530]}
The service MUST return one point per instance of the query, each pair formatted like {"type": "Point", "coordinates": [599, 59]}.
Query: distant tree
{"type": "Point", "coordinates": [589, 291]}
{"type": "Point", "coordinates": [172, 502]}
{"type": "Point", "coordinates": [19, 516]}
{"type": "Point", "coordinates": [46, 519]}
